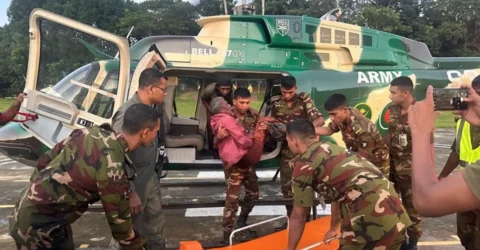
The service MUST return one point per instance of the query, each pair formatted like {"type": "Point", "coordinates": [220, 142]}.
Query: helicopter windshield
{"type": "Point", "coordinates": [82, 68]}
{"type": "Point", "coordinates": [67, 90]}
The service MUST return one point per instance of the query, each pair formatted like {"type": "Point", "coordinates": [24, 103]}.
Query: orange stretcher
{"type": "Point", "coordinates": [312, 238]}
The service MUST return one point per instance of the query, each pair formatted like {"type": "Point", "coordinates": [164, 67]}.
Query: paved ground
{"type": "Point", "coordinates": [203, 224]}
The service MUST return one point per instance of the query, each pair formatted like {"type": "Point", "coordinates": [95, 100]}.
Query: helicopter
{"type": "Point", "coordinates": [324, 56]}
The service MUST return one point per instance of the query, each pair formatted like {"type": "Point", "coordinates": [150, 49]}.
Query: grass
{"type": "Point", "coordinates": [5, 103]}
{"type": "Point", "coordinates": [445, 120]}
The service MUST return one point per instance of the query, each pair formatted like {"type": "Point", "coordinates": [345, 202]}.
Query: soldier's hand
{"type": "Point", "coordinates": [329, 235]}
{"type": "Point", "coordinates": [262, 126]}
{"type": "Point", "coordinates": [135, 203]}
{"type": "Point", "coordinates": [421, 115]}
{"type": "Point", "coordinates": [222, 132]}
{"type": "Point", "coordinates": [472, 113]}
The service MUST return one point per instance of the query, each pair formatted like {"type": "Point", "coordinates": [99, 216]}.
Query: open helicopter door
{"type": "Point", "coordinates": [152, 58]}
{"type": "Point", "coordinates": [85, 97]}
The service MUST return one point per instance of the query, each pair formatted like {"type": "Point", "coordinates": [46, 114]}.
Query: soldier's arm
{"type": "Point", "coordinates": [452, 163]}
{"type": "Point", "coordinates": [313, 113]}
{"type": "Point", "coordinates": [12, 110]}
{"type": "Point", "coordinates": [302, 201]}
{"type": "Point", "coordinates": [117, 124]}
{"type": "Point", "coordinates": [113, 188]}
{"type": "Point", "coordinates": [430, 195]}
{"type": "Point", "coordinates": [335, 217]}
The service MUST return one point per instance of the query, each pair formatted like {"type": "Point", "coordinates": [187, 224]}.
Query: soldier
{"type": "Point", "coordinates": [88, 166]}
{"type": "Point", "coordinates": [465, 150]}
{"type": "Point", "coordinates": [146, 188]}
{"type": "Point", "coordinates": [399, 141]}
{"type": "Point", "coordinates": [289, 107]}
{"type": "Point", "coordinates": [240, 174]}
{"type": "Point", "coordinates": [364, 202]}
{"type": "Point", "coordinates": [359, 133]}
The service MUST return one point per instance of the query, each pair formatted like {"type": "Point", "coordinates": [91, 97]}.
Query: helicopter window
{"type": "Point", "coordinates": [353, 38]}
{"type": "Point", "coordinates": [312, 33]}
{"type": "Point", "coordinates": [325, 35]}
{"type": "Point", "coordinates": [72, 87]}
{"type": "Point", "coordinates": [367, 40]}
{"type": "Point", "coordinates": [110, 83]}
{"type": "Point", "coordinates": [339, 37]}
{"type": "Point", "coordinates": [186, 95]}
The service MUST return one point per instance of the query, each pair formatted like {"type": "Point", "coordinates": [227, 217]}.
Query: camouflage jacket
{"type": "Point", "coordinates": [86, 167]}
{"type": "Point", "coordinates": [360, 135]}
{"type": "Point", "coordinates": [365, 196]}
{"type": "Point", "coordinates": [329, 170]}
{"type": "Point", "coordinates": [303, 107]}
{"type": "Point", "coordinates": [398, 125]}
{"type": "Point", "coordinates": [249, 121]}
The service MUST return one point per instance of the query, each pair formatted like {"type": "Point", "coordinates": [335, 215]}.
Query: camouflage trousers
{"type": "Point", "coordinates": [235, 177]}
{"type": "Point", "coordinates": [403, 186]}
{"type": "Point", "coordinates": [375, 220]}
{"type": "Point", "coordinates": [468, 226]}
{"type": "Point", "coordinates": [53, 237]}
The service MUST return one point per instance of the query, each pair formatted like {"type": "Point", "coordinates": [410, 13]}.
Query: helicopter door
{"type": "Point", "coordinates": [75, 78]}
{"type": "Point", "coordinates": [151, 59]}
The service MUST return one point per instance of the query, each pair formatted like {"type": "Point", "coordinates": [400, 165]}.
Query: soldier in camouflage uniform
{"type": "Point", "coordinates": [364, 202]}
{"type": "Point", "coordinates": [239, 174]}
{"type": "Point", "coordinates": [359, 133]}
{"type": "Point", "coordinates": [289, 107]}
{"type": "Point", "coordinates": [86, 167]}
{"type": "Point", "coordinates": [399, 141]}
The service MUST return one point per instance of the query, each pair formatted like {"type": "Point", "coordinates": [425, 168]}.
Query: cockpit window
{"type": "Point", "coordinates": [72, 88]}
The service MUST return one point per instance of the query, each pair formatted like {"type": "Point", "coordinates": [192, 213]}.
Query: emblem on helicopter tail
{"type": "Point", "coordinates": [364, 109]}
{"type": "Point", "coordinates": [384, 117]}
{"type": "Point", "coordinates": [283, 26]}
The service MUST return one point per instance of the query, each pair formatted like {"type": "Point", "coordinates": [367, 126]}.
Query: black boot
{"type": "Point", "coordinates": [242, 221]}
{"type": "Point", "coordinates": [410, 244]}
{"type": "Point", "coordinates": [245, 235]}
{"type": "Point", "coordinates": [226, 239]}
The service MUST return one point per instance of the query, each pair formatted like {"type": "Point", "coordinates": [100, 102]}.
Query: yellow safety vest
{"type": "Point", "coordinates": [464, 143]}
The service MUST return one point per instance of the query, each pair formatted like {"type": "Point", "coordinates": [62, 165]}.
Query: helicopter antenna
{"type": "Point", "coordinates": [263, 7]}
{"type": "Point", "coordinates": [225, 6]}
{"type": "Point", "coordinates": [128, 35]}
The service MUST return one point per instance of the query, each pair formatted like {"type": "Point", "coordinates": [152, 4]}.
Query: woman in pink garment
{"type": "Point", "coordinates": [239, 145]}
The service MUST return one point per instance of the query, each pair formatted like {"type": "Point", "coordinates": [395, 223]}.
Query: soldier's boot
{"type": "Point", "coordinates": [226, 239]}
{"type": "Point", "coordinates": [410, 244]}
{"type": "Point", "coordinates": [156, 245]}
{"type": "Point", "coordinates": [247, 234]}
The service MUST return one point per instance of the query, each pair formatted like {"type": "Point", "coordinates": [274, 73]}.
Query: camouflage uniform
{"type": "Point", "coordinates": [360, 135]}
{"type": "Point", "coordinates": [372, 215]}
{"type": "Point", "coordinates": [86, 167]}
{"type": "Point", "coordinates": [468, 223]}
{"type": "Point", "coordinates": [302, 107]}
{"type": "Point", "coordinates": [401, 165]}
{"type": "Point", "coordinates": [237, 175]}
